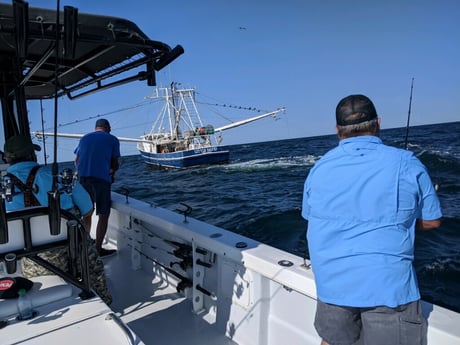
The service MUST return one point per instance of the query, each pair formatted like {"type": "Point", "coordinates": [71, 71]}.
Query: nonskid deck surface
{"type": "Point", "coordinates": [153, 309]}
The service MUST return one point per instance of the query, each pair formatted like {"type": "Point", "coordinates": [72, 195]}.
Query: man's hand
{"type": "Point", "coordinates": [425, 225]}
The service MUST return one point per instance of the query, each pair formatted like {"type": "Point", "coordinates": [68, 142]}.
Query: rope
{"type": "Point", "coordinates": [92, 117]}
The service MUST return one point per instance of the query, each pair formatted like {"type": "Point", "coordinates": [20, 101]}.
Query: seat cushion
{"type": "Point", "coordinates": [45, 289]}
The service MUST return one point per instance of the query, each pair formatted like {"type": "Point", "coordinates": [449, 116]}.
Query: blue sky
{"type": "Point", "coordinates": [301, 54]}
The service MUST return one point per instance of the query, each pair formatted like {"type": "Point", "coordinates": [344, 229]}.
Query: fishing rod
{"type": "Point", "coordinates": [43, 130]}
{"type": "Point", "coordinates": [54, 199]}
{"type": "Point", "coordinates": [435, 184]}
{"type": "Point", "coordinates": [408, 114]}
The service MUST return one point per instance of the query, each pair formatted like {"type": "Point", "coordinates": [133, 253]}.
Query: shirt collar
{"type": "Point", "coordinates": [360, 144]}
{"type": "Point", "coordinates": [362, 139]}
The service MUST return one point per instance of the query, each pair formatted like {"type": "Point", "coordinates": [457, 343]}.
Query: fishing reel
{"type": "Point", "coordinates": [68, 179]}
{"type": "Point", "coordinates": [7, 189]}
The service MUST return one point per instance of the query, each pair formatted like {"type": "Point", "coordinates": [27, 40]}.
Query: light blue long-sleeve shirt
{"type": "Point", "coordinates": [361, 201]}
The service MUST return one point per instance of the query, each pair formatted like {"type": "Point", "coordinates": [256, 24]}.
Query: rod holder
{"type": "Point", "coordinates": [11, 263]}
{"type": "Point", "coordinates": [202, 263]}
{"type": "Point", "coordinates": [54, 215]}
{"type": "Point", "coordinates": [186, 212]}
{"type": "Point", "coordinates": [3, 223]}
{"type": "Point", "coordinates": [6, 188]}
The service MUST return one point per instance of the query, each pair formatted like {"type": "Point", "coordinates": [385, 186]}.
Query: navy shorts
{"type": "Point", "coordinates": [99, 191]}
{"type": "Point", "coordinates": [403, 325]}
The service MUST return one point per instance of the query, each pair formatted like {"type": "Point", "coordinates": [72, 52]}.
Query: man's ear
{"type": "Point", "coordinates": [337, 131]}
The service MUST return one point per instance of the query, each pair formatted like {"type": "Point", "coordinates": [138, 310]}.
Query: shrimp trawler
{"type": "Point", "coordinates": [179, 138]}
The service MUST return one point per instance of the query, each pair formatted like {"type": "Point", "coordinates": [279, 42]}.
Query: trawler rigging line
{"type": "Point", "coordinates": [139, 105]}
{"type": "Point", "coordinates": [179, 137]}
{"type": "Point", "coordinates": [239, 107]}
{"type": "Point", "coordinates": [92, 117]}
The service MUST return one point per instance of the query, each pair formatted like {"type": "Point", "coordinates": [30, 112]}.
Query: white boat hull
{"type": "Point", "coordinates": [252, 294]}
{"type": "Point", "coordinates": [178, 280]}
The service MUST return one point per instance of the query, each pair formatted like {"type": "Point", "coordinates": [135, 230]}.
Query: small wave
{"type": "Point", "coordinates": [443, 266]}
{"type": "Point", "coordinates": [413, 146]}
{"type": "Point", "coordinates": [439, 165]}
{"type": "Point", "coordinates": [439, 281]}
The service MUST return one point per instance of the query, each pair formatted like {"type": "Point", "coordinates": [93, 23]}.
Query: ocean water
{"type": "Point", "coordinates": [259, 194]}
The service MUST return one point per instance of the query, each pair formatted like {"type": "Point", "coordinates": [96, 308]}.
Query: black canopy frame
{"type": "Point", "coordinates": [95, 52]}
{"type": "Point", "coordinates": [46, 54]}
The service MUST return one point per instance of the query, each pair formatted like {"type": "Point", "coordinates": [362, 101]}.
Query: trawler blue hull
{"type": "Point", "coordinates": [188, 158]}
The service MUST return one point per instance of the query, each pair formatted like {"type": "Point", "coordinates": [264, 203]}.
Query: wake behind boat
{"type": "Point", "coordinates": [179, 138]}
{"type": "Point", "coordinates": [175, 280]}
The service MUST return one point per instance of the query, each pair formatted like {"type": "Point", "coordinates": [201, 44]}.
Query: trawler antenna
{"type": "Point", "coordinates": [408, 114]}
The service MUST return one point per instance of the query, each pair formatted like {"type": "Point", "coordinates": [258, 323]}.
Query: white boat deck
{"type": "Point", "coordinates": [255, 295]}
{"type": "Point", "coordinates": [148, 307]}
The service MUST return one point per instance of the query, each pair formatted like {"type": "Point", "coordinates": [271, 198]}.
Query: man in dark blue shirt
{"type": "Point", "coordinates": [97, 160]}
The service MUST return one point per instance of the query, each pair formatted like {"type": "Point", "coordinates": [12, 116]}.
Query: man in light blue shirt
{"type": "Point", "coordinates": [31, 184]}
{"type": "Point", "coordinates": [363, 201]}
{"type": "Point", "coordinates": [20, 154]}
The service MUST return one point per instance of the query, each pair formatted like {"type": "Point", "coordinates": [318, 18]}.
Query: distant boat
{"type": "Point", "coordinates": [179, 138]}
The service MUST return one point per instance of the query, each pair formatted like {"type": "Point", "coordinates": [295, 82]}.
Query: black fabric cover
{"type": "Point", "coordinates": [9, 286]}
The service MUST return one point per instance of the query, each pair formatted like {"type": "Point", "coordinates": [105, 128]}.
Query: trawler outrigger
{"type": "Point", "coordinates": [175, 280]}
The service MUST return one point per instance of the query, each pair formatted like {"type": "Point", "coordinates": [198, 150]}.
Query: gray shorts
{"type": "Point", "coordinates": [403, 325]}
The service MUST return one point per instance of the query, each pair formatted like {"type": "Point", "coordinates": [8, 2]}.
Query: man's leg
{"type": "Point", "coordinates": [87, 221]}
{"type": "Point", "coordinates": [337, 324]}
{"type": "Point", "coordinates": [101, 230]}
{"type": "Point", "coordinates": [103, 205]}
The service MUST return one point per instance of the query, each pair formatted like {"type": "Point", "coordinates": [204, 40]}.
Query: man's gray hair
{"type": "Point", "coordinates": [370, 126]}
